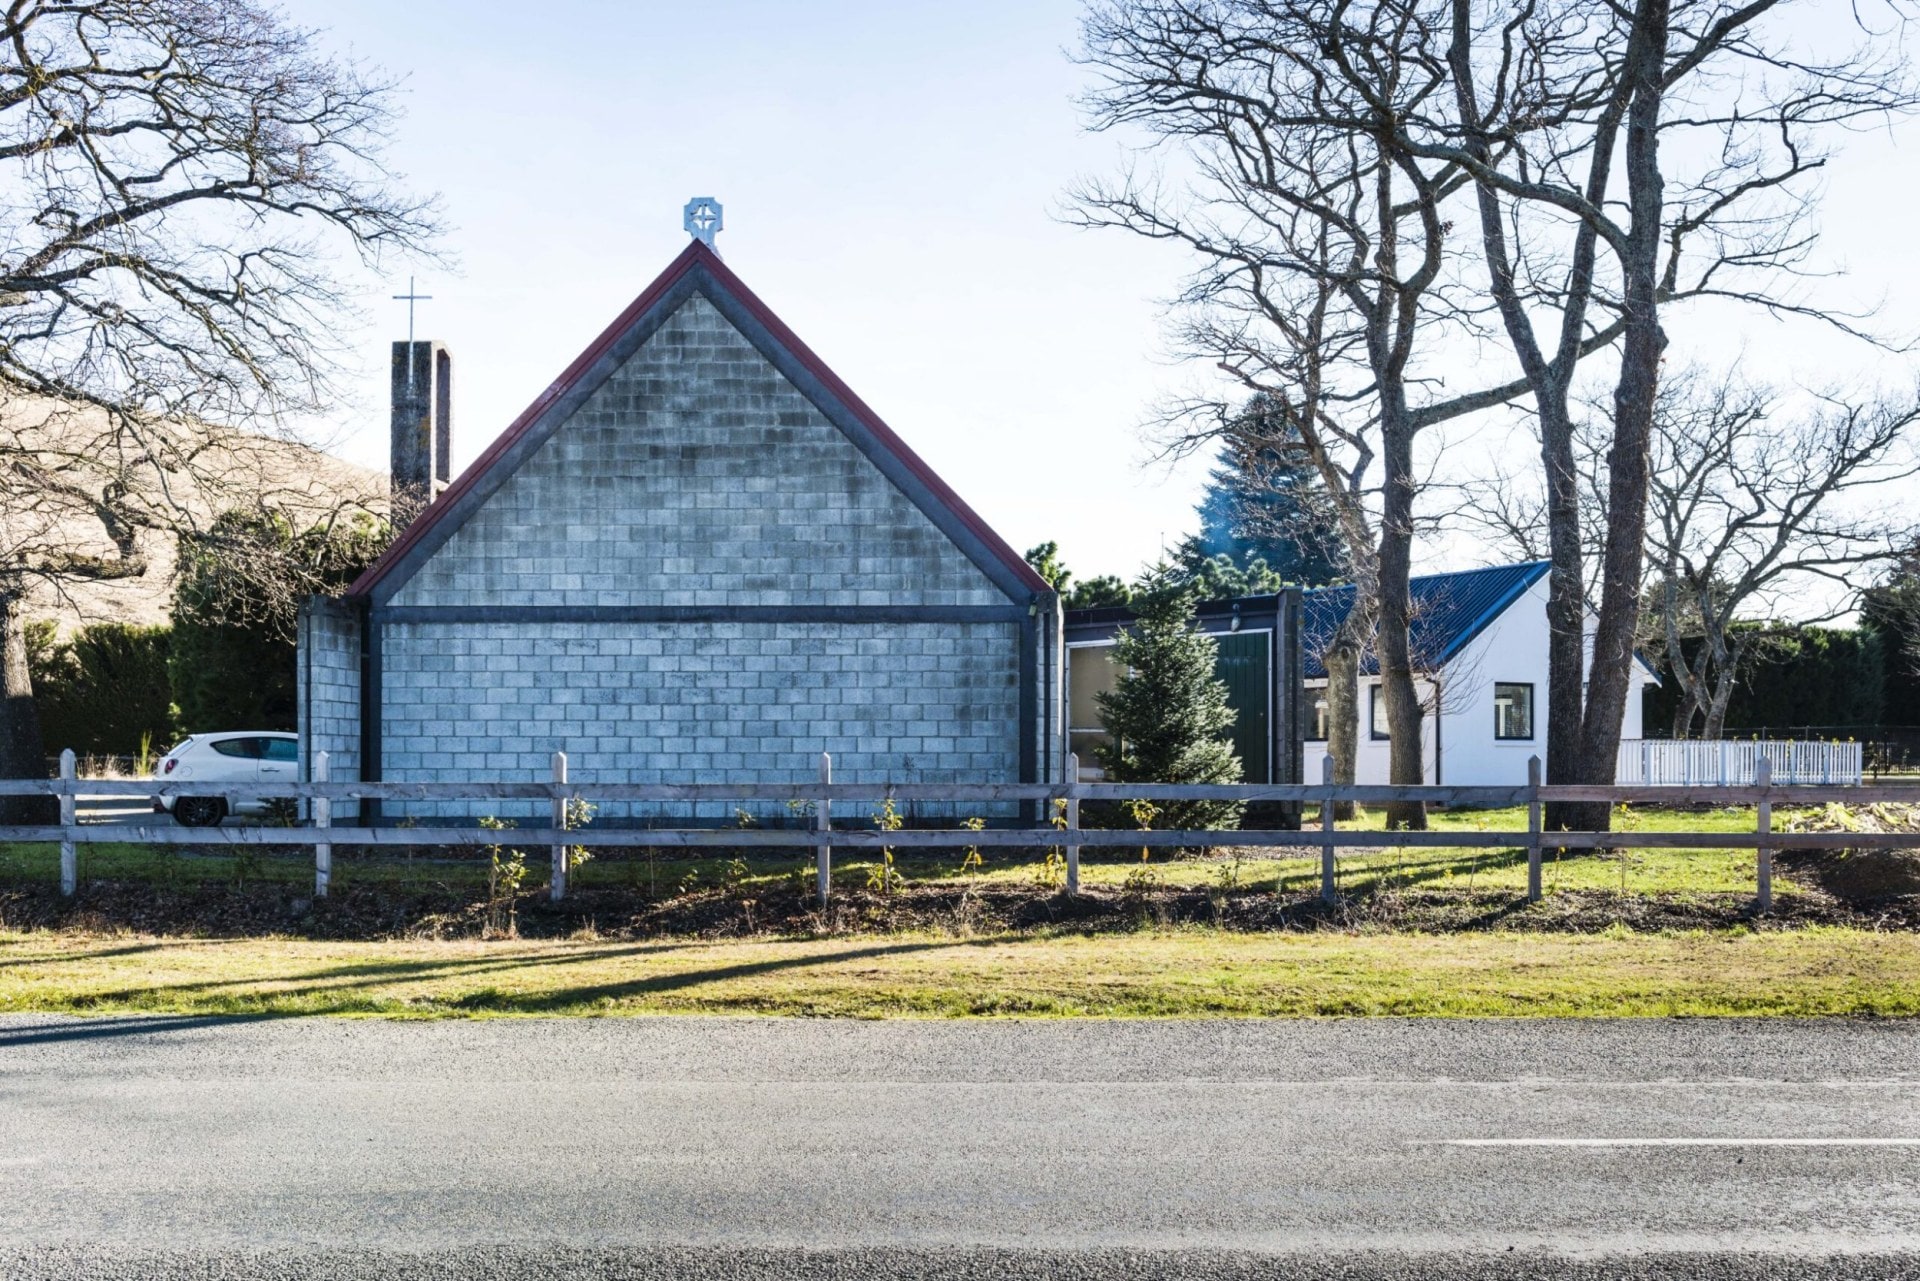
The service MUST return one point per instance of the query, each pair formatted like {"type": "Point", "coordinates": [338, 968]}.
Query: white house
{"type": "Point", "coordinates": [1481, 637]}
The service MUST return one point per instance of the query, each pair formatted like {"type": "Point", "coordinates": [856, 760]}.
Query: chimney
{"type": "Point", "coordinates": [422, 428]}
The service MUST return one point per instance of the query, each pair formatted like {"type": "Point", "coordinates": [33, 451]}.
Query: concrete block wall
{"type": "Point", "coordinates": [708, 702]}
{"type": "Point", "coordinates": [698, 475]}
{"type": "Point", "coordinates": [328, 687]}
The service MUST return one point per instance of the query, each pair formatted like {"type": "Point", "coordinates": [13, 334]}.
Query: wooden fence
{"type": "Point", "coordinates": [1681, 762]}
{"type": "Point", "coordinates": [1059, 829]}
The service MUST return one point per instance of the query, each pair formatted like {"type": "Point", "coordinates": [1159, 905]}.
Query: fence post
{"type": "Point", "coordinates": [69, 856]}
{"type": "Point", "coordinates": [1763, 775]}
{"type": "Point", "coordinates": [1534, 824]}
{"type": "Point", "coordinates": [1073, 825]}
{"type": "Point", "coordinates": [1328, 892]}
{"type": "Point", "coordinates": [823, 823]}
{"type": "Point", "coordinates": [557, 887]}
{"type": "Point", "coordinates": [322, 820]}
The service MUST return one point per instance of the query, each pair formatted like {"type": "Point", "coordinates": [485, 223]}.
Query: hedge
{"type": "Point", "coordinates": [103, 689]}
{"type": "Point", "coordinates": [1795, 676]}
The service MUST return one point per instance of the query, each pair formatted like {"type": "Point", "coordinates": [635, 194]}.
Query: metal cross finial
{"type": "Point", "coordinates": [410, 298]}
{"type": "Point", "coordinates": [701, 218]}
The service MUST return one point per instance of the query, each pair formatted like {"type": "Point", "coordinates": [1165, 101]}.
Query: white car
{"type": "Point", "coordinates": [246, 758]}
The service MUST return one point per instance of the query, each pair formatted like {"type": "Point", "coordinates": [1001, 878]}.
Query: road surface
{"type": "Point", "coordinates": [136, 811]}
{"type": "Point", "coordinates": [509, 1148]}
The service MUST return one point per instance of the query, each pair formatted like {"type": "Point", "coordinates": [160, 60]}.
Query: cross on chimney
{"type": "Point", "coordinates": [410, 298]}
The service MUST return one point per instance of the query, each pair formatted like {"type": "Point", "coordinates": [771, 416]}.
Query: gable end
{"type": "Point", "coordinates": [698, 270]}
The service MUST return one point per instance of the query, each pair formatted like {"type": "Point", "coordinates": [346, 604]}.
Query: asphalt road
{"type": "Point", "coordinates": [137, 812]}
{"type": "Point", "coordinates": [118, 811]}
{"type": "Point", "coordinates": [134, 811]}
{"type": "Point", "coordinates": [196, 1147]}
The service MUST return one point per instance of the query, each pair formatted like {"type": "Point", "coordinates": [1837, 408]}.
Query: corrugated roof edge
{"type": "Point", "coordinates": [1535, 571]}
{"type": "Point", "coordinates": [695, 255]}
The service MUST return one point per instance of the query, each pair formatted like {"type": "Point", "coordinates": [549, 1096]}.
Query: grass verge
{"type": "Point", "coordinates": [1180, 973]}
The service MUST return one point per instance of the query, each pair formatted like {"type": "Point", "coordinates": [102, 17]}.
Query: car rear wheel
{"type": "Point", "coordinates": [199, 811]}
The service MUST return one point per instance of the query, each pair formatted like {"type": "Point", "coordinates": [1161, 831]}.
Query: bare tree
{"type": "Point", "coordinates": [1343, 460]}
{"type": "Point", "coordinates": [1591, 224]}
{"type": "Point", "coordinates": [179, 176]}
{"type": "Point", "coordinates": [1328, 278]}
{"type": "Point", "coordinates": [1752, 503]}
{"type": "Point", "coordinates": [1754, 498]}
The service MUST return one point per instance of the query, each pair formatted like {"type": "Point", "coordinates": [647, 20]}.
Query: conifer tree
{"type": "Point", "coordinates": [1168, 712]}
{"type": "Point", "coordinates": [1266, 505]}
{"type": "Point", "coordinates": [1090, 594]}
{"type": "Point", "coordinates": [1219, 578]}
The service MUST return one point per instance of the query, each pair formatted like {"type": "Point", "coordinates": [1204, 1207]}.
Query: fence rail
{"type": "Point", "coordinates": [1682, 762]}
{"type": "Point", "coordinates": [1059, 828]}
{"type": "Point", "coordinates": [1477, 796]}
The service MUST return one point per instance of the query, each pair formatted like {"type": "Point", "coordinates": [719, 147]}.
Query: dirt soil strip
{"type": "Point", "coordinates": [1857, 890]}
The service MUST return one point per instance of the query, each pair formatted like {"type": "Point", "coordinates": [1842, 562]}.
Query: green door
{"type": "Point", "coordinates": [1243, 667]}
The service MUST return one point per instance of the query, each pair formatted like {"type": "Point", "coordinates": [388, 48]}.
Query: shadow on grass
{"type": "Point", "coordinates": [591, 994]}
{"type": "Point", "coordinates": [339, 981]}
{"type": "Point", "coordinates": [340, 978]}
{"type": "Point", "coordinates": [133, 949]}
{"type": "Point", "coordinates": [1425, 869]}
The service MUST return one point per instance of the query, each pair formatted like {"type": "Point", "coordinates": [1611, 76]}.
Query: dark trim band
{"type": "Point", "coordinates": [1029, 698]}
{"type": "Point", "coordinates": [540, 614]}
{"type": "Point", "coordinates": [370, 722]}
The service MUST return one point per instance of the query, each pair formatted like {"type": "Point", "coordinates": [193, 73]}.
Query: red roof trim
{"type": "Point", "coordinates": [698, 254]}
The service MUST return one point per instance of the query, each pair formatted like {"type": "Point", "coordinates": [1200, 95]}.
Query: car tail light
{"type": "Point", "coordinates": [168, 767]}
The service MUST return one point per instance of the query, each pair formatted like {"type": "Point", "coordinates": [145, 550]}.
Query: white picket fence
{"type": "Point", "coordinates": [1665, 762]}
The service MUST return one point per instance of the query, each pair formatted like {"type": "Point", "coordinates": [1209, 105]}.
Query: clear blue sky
{"type": "Point", "coordinates": [890, 173]}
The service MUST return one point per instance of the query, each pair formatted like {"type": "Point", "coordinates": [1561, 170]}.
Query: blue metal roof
{"type": "Point", "coordinates": [1448, 611]}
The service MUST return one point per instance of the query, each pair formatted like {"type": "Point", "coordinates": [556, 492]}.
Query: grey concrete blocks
{"type": "Point", "coordinates": [686, 713]}
{"type": "Point", "coordinates": [698, 475]}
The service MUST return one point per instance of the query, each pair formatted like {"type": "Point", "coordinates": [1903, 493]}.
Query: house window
{"type": "Point", "coordinates": [1377, 713]}
{"type": "Point", "coordinates": [1512, 710]}
{"type": "Point", "coordinates": [1318, 732]}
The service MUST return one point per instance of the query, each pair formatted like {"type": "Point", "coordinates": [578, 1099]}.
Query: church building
{"type": "Point", "coordinates": [696, 557]}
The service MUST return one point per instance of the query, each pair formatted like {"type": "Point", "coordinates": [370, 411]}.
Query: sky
{"type": "Point", "coordinates": [893, 177]}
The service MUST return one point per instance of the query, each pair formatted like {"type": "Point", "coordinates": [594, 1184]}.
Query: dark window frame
{"type": "Point", "coordinates": [1377, 712]}
{"type": "Point", "coordinates": [1527, 737]}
